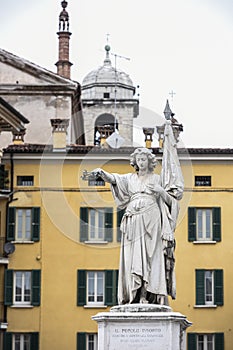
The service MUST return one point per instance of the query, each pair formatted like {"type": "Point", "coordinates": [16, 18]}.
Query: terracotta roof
{"type": "Point", "coordinates": [79, 149]}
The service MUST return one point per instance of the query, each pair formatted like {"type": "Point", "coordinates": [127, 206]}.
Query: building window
{"type": "Point", "coordinates": [23, 224]}
{"type": "Point", "coordinates": [91, 341]}
{"type": "Point", "coordinates": [21, 341]}
{"type": "Point", "coordinates": [202, 180]}
{"type": "Point", "coordinates": [97, 288]}
{"type": "Point", "coordinates": [213, 341]}
{"type": "Point", "coordinates": [87, 341]}
{"type": "Point", "coordinates": [25, 180]}
{"type": "Point", "coordinates": [205, 341]}
{"type": "Point", "coordinates": [204, 224]}
{"type": "Point", "coordinates": [96, 182]}
{"type": "Point", "coordinates": [106, 94]}
{"type": "Point", "coordinates": [22, 288]}
{"type": "Point", "coordinates": [209, 287]}
{"type": "Point", "coordinates": [96, 224]}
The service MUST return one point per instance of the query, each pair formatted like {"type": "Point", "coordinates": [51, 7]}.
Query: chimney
{"type": "Point", "coordinates": [59, 133]}
{"type": "Point", "coordinates": [18, 137]}
{"type": "Point", "coordinates": [148, 132]}
{"type": "Point", "coordinates": [63, 64]}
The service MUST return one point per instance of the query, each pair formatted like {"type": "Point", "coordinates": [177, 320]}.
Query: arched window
{"type": "Point", "coordinates": [104, 126]}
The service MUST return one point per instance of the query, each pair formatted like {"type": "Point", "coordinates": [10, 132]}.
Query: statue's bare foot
{"type": "Point", "coordinates": [143, 300]}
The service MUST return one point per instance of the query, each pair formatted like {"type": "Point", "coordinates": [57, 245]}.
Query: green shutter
{"type": "Point", "coordinates": [120, 214]}
{"type": "Point", "coordinates": [11, 223]}
{"type": "Point", "coordinates": [81, 298]}
{"type": "Point", "coordinates": [192, 224]}
{"type": "Point", "coordinates": [7, 341]}
{"type": "Point", "coordinates": [108, 224]}
{"type": "Point", "coordinates": [2, 176]}
{"type": "Point", "coordinates": [192, 341]}
{"type": "Point", "coordinates": [34, 341]}
{"type": "Point", "coordinates": [116, 287]}
{"type": "Point", "coordinates": [217, 224]}
{"type": "Point", "coordinates": [111, 280]}
{"type": "Point", "coordinates": [8, 286]}
{"type": "Point", "coordinates": [200, 289]}
{"type": "Point", "coordinates": [35, 224]}
{"type": "Point", "coordinates": [36, 282]}
{"type": "Point", "coordinates": [83, 224]}
{"type": "Point", "coordinates": [218, 287]}
{"type": "Point", "coordinates": [219, 341]}
{"type": "Point", "coordinates": [81, 341]}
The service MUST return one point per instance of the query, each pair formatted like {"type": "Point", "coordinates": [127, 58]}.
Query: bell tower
{"type": "Point", "coordinates": [109, 105]}
{"type": "Point", "coordinates": [63, 64]}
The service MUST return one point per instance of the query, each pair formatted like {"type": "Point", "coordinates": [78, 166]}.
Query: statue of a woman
{"type": "Point", "coordinates": [146, 271]}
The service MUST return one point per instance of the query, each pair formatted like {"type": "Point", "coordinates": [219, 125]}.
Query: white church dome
{"type": "Point", "coordinates": [107, 74]}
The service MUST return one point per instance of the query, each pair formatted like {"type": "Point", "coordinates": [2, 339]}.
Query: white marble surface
{"type": "Point", "coordinates": [144, 329]}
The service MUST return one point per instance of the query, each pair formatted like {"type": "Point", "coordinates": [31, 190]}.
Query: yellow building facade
{"type": "Point", "coordinates": [66, 237]}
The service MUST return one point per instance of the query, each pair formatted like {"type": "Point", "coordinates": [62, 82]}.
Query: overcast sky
{"type": "Point", "coordinates": [183, 46]}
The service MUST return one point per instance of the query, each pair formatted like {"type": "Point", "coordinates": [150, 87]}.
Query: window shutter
{"type": "Point", "coordinates": [200, 290]}
{"type": "Point", "coordinates": [192, 226]}
{"type": "Point", "coordinates": [8, 296]}
{"type": "Point", "coordinates": [218, 287]}
{"type": "Point", "coordinates": [108, 224]}
{"type": "Point", "coordinates": [120, 214]}
{"type": "Point", "coordinates": [81, 298]}
{"type": "Point", "coordinates": [7, 341]}
{"type": "Point", "coordinates": [35, 224]}
{"type": "Point", "coordinates": [217, 224]}
{"type": "Point", "coordinates": [34, 341]}
{"type": "Point", "coordinates": [11, 223]}
{"type": "Point", "coordinates": [116, 287]}
{"type": "Point", "coordinates": [81, 341]}
{"type": "Point", "coordinates": [83, 224]}
{"type": "Point", "coordinates": [192, 341]}
{"type": "Point", "coordinates": [110, 287]}
{"type": "Point", "coordinates": [219, 341]}
{"type": "Point", "coordinates": [36, 281]}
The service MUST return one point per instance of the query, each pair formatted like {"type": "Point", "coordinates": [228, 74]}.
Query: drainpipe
{"type": "Point", "coordinates": [7, 206]}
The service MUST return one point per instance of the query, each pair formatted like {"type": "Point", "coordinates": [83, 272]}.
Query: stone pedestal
{"type": "Point", "coordinates": [141, 326]}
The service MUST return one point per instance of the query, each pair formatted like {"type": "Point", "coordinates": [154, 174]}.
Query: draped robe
{"type": "Point", "coordinates": [148, 225]}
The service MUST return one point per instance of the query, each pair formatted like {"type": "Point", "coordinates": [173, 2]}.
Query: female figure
{"type": "Point", "coordinates": [146, 271]}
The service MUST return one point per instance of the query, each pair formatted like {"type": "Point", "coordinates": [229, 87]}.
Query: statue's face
{"type": "Point", "coordinates": [142, 161]}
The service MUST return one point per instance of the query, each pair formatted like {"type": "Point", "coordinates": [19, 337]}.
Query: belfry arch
{"type": "Point", "coordinates": [105, 124]}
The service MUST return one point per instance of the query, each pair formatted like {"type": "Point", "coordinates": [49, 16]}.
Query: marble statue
{"type": "Point", "coordinates": [146, 271]}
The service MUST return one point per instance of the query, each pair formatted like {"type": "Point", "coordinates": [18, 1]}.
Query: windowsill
{"type": "Point", "coordinates": [22, 306]}
{"type": "Point", "coordinates": [95, 306]}
{"type": "Point", "coordinates": [3, 325]}
{"type": "Point", "coordinates": [22, 242]}
{"type": "Point", "coordinates": [96, 242]}
{"type": "Point", "coordinates": [204, 242]}
{"type": "Point", "coordinates": [4, 260]}
{"type": "Point", "coordinates": [205, 306]}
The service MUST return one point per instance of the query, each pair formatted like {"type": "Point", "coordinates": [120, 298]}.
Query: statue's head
{"type": "Point", "coordinates": [152, 162]}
